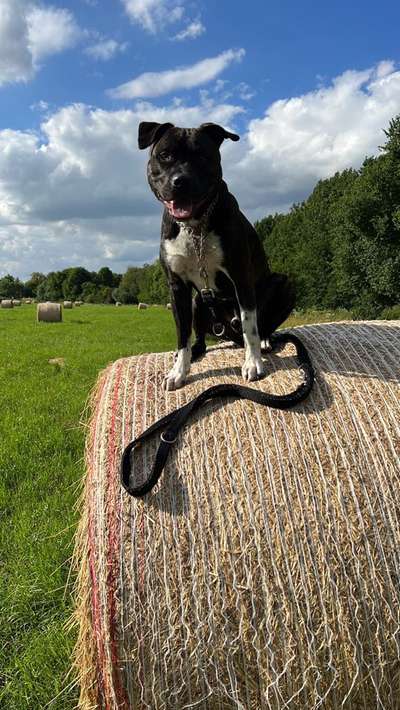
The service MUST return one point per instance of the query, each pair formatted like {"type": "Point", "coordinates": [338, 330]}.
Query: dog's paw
{"type": "Point", "coordinates": [174, 380]}
{"type": "Point", "coordinates": [253, 369]}
{"type": "Point", "coordinates": [266, 345]}
{"type": "Point", "coordinates": [177, 375]}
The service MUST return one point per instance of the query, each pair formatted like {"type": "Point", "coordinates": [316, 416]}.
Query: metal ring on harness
{"type": "Point", "coordinates": [221, 332]}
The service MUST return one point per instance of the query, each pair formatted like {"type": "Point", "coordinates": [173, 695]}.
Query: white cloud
{"type": "Point", "coordinates": [153, 15]}
{"type": "Point", "coordinates": [105, 49]}
{"type": "Point", "coordinates": [303, 139]}
{"type": "Point", "coordinates": [158, 83]}
{"type": "Point", "coordinates": [193, 30]}
{"type": "Point", "coordinates": [28, 33]}
{"type": "Point", "coordinates": [51, 30]}
{"type": "Point", "coordinates": [78, 194]}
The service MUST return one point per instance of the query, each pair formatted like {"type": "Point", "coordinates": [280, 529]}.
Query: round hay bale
{"type": "Point", "coordinates": [142, 306]}
{"type": "Point", "coordinates": [118, 304]}
{"type": "Point", "coordinates": [263, 571]}
{"type": "Point", "coordinates": [78, 303]}
{"type": "Point", "coordinates": [67, 304]}
{"type": "Point", "coordinates": [16, 302]}
{"type": "Point", "coordinates": [169, 306]}
{"type": "Point", "coordinates": [7, 303]}
{"type": "Point", "coordinates": [49, 312]}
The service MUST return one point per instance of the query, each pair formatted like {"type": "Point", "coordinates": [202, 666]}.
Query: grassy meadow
{"type": "Point", "coordinates": [41, 468]}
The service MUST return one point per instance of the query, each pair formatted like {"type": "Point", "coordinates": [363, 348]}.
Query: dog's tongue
{"type": "Point", "coordinates": [179, 210]}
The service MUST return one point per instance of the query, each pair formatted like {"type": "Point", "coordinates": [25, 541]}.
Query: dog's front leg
{"type": "Point", "coordinates": [181, 301]}
{"type": "Point", "coordinates": [253, 366]}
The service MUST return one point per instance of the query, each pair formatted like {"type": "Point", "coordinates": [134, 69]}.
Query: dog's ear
{"type": "Point", "coordinates": [217, 133]}
{"type": "Point", "coordinates": [150, 133]}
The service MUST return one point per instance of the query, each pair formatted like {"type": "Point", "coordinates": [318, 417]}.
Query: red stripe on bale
{"type": "Point", "coordinates": [113, 516]}
{"type": "Point", "coordinates": [95, 596]}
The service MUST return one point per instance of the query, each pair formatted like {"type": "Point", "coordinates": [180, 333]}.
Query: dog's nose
{"type": "Point", "coordinates": [179, 181]}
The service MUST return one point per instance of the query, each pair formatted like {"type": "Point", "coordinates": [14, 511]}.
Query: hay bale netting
{"type": "Point", "coordinates": [49, 312]}
{"type": "Point", "coordinates": [142, 306]}
{"type": "Point", "coordinates": [67, 304]}
{"type": "Point", "coordinates": [7, 303]}
{"type": "Point", "coordinates": [263, 571]}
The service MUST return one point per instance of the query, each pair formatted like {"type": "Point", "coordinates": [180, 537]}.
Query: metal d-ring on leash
{"type": "Point", "coordinates": [169, 426]}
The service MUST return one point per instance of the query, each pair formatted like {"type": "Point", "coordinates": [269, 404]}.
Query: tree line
{"type": "Point", "coordinates": [341, 247]}
{"type": "Point", "coordinates": [139, 283]}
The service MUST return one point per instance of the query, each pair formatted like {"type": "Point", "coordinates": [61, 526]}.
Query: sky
{"type": "Point", "coordinates": [308, 86]}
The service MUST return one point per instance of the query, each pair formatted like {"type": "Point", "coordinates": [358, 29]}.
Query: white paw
{"type": "Point", "coordinates": [174, 380]}
{"type": "Point", "coordinates": [252, 369]}
{"type": "Point", "coordinates": [266, 345]}
{"type": "Point", "coordinates": [177, 375]}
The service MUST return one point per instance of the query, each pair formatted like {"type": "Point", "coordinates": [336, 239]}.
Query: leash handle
{"type": "Point", "coordinates": [170, 425]}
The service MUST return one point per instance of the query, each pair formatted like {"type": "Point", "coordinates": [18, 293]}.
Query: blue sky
{"type": "Point", "coordinates": [309, 86]}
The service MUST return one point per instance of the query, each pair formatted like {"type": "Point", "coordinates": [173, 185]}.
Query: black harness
{"type": "Point", "coordinates": [169, 426]}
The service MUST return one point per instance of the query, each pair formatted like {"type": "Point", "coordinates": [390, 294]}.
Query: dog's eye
{"type": "Point", "coordinates": [165, 156]}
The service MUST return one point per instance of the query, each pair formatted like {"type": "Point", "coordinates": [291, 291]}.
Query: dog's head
{"type": "Point", "coordinates": [184, 169]}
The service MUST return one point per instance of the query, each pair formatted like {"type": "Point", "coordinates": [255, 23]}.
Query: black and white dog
{"type": "Point", "coordinates": [207, 243]}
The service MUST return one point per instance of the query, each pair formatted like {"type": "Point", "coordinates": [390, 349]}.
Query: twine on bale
{"type": "Point", "coordinates": [263, 571]}
{"type": "Point", "coordinates": [49, 312]}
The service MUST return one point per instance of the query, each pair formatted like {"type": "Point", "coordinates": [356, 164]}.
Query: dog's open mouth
{"type": "Point", "coordinates": [179, 209]}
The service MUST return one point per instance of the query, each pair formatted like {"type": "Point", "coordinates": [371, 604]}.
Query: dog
{"type": "Point", "coordinates": [208, 244]}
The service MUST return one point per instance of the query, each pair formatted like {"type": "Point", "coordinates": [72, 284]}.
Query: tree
{"type": "Point", "coordinates": [73, 281]}
{"type": "Point", "coordinates": [51, 289]}
{"type": "Point", "coordinates": [10, 287]}
{"type": "Point", "coordinates": [153, 284]}
{"type": "Point", "coordinates": [105, 277]}
{"type": "Point", "coordinates": [367, 253]}
{"type": "Point", "coordinates": [31, 286]}
{"type": "Point", "coordinates": [128, 289]}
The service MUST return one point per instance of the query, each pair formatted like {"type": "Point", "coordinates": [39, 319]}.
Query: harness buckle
{"type": "Point", "coordinates": [208, 296]}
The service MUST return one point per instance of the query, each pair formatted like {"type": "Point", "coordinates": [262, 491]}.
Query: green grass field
{"type": "Point", "coordinates": [41, 469]}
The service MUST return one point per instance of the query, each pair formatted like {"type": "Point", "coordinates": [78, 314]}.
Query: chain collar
{"type": "Point", "coordinates": [198, 234]}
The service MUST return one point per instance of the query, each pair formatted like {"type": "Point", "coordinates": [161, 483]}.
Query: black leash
{"type": "Point", "coordinates": [170, 425]}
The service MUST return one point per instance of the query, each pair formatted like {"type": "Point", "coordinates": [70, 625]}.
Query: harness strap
{"type": "Point", "coordinates": [169, 425]}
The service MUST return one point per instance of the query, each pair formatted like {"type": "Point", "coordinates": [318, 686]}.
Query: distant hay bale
{"type": "Point", "coordinates": [118, 303]}
{"type": "Point", "coordinates": [7, 303]}
{"type": "Point", "coordinates": [49, 312]}
{"type": "Point", "coordinates": [142, 306]}
{"type": "Point", "coordinates": [263, 571]}
{"type": "Point", "coordinates": [16, 302]}
{"type": "Point", "coordinates": [67, 304]}
{"type": "Point", "coordinates": [78, 303]}
{"type": "Point", "coordinates": [169, 306]}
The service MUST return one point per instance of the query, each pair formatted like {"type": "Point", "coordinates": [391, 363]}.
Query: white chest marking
{"type": "Point", "coordinates": [182, 259]}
